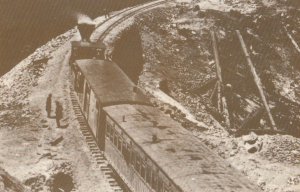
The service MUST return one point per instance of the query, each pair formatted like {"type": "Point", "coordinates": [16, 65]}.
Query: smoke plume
{"type": "Point", "coordinates": [82, 18]}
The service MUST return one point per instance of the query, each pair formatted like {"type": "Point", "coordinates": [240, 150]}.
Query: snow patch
{"type": "Point", "coordinates": [167, 99]}
{"type": "Point", "coordinates": [286, 87]}
{"type": "Point", "coordinates": [214, 4]}
{"type": "Point", "coordinates": [183, 1]}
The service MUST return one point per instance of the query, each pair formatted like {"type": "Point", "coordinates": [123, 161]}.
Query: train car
{"type": "Point", "coordinates": [150, 151]}
{"type": "Point", "coordinates": [100, 83]}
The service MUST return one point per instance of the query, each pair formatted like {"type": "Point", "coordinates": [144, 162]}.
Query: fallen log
{"type": "Point", "coordinates": [221, 101]}
{"type": "Point", "coordinates": [216, 54]}
{"type": "Point", "coordinates": [256, 80]}
{"type": "Point", "coordinates": [215, 113]}
{"type": "Point", "coordinates": [213, 94]}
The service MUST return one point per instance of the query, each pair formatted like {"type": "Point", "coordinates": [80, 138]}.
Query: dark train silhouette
{"type": "Point", "coordinates": [148, 149]}
{"type": "Point", "coordinates": [85, 49]}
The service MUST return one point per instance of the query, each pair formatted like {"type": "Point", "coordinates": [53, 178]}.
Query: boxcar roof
{"type": "Point", "coordinates": [88, 44]}
{"type": "Point", "coordinates": [109, 83]}
{"type": "Point", "coordinates": [187, 161]}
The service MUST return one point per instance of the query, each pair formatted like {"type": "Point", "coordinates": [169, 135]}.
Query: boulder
{"type": "Point", "coordinates": [295, 152]}
{"type": "Point", "coordinates": [250, 139]}
{"type": "Point", "coordinates": [253, 148]}
{"type": "Point", "coordinates": [196, 8]}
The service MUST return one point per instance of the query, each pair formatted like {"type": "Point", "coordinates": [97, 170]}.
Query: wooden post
{"type": "Point", "coordinates": [221, 102]}
{"type": "Point", "coordinates": [256, 79]}
{"type": "Point", "coordinates": [216, 53]}
{"type": "Point", "coordinates": [212, 96]}
{"type": "Point", "coordinates": [225, 112]}
{"type": "Point", "coordinates": [219, 98]}
{"type": "Point", "coordinates": [218, 71]}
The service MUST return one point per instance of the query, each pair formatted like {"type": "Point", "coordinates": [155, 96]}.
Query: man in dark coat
{"type": "Point", "coordinates": [48, 105]}
{"type": "Point", "coordinates": [58, 113]}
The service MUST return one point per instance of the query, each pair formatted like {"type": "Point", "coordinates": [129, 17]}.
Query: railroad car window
{"type": "Point", "coordinates": [87, 98]}
{"type": "Point", "coordinates": [120, 144]}
{"type": "Point", "coordinates": [154, 181]}
{"type": "Point", "coordinates": [160, 185]}
{"type": "Point", "coordinates": [125, 152]}
{"type": "Point", "coordinates": [138, 163]}
{"type": "Point", "coordinates": [112, 131]}
{"type": "Point", "coordinates": [129, 153]}
{"type": "Point", "coordinates": [148, 174]}
{"type": "Point", "coordinates": [76, 81]}
{"type": "Point", "coordinates": [133, 157]}
{"type": "Point", "coordinates": [143, 171]}
{"type": "Point", "coordinates": [108, 129]}
{"type": "Point", "coordinates": [80, 83]}
{"type": "Point", "coordinates": [124, 148]}
{"type": "Point", "coordinates": [116, 139]}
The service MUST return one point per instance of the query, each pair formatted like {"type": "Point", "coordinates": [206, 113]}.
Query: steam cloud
{"type": "Point", "coordinates": [81, 19]}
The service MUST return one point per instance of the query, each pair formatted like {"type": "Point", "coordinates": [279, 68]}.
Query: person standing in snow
{"type": "Point", "coordinates": [48, 105]}
{"type": "Point", "coordinates": [106, 14]}
{"type": "Point", "coordinates": [58, 113]}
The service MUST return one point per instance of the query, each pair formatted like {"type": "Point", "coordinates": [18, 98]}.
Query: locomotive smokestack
{"type": "Point", "coordinates": [85, 27]}
{"type": "Point", "coordinates": [86, 30]}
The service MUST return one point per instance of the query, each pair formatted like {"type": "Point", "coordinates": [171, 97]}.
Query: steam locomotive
{"type": "Point", "coordinates": [85, 49]}
{"type": "Point", "coordinates": [150, 151]}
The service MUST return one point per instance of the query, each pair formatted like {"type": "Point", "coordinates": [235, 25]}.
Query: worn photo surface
{"type": "Point", "coordinates": [149, 95]}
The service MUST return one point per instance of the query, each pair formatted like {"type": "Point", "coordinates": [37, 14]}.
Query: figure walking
{"type": "Point", "coordinates": [48, 105]}
{"type": "Point", "coordinates": [58, 113]}
{"type": "Point", "coordinates": [106, 14]}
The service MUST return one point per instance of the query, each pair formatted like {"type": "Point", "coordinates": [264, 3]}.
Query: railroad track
{"type": "Point", "coordinates": [119, 13]}
{"type": "Point", "coordinates": [131, 12]}
{"type": "Point", "coordinates": [99, 162]}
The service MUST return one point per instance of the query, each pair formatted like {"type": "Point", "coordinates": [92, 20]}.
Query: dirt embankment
{"type": "Point", "coordinates": [178, 59]}
{"type": "Point", "coordinates": [34, 149]}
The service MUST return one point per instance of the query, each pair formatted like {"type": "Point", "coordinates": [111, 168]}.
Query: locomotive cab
{"type": "Point", "coordinates": [87, 50]}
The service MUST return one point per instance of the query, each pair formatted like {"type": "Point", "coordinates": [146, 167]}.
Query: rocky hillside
{"type": "Point", "coordinates": [179, 60]}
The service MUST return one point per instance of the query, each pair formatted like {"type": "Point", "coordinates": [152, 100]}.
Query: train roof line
{"type": "Point", "coordinates": [201, 168]}
{"type": "Point", "coordinates": [110, 84]}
